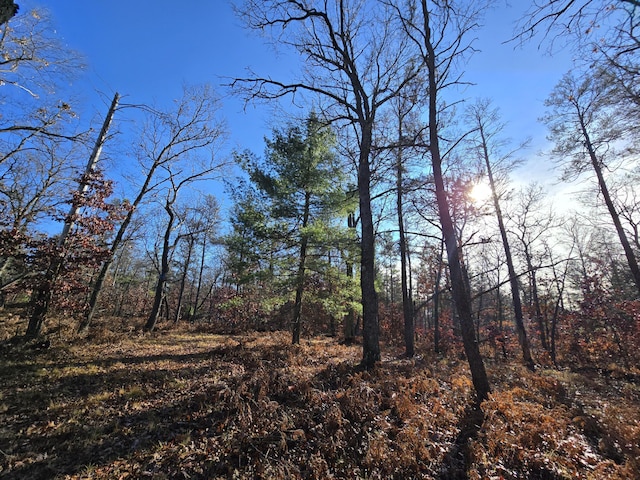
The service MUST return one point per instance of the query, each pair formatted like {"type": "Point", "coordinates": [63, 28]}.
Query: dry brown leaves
{"type": "Point", "coordinates": [189, 405]}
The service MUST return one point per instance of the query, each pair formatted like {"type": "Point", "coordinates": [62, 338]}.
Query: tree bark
{"type": "Point", "coordinates": [196, 301]}
{"type": "Point", "coordinates": [302, 259]}
{"type": "Point", "coordinates": [43, 294]}
{"type": "Point", "coordinates": [183, 281]}
{"type": "Point", "coordinates": [407, 301]}
{"type": "Point", "coordinates": [536, 299]}
{"type": "Point", "coordinates": [628, 251]}
{"type": "Point", "coordinates": [370, 322]}
{"type": "Point", "coordinates": [436, 300]}
{"type": "Point", "coordinates": [461, 296]}
{"type": "Point", "coordinates": [349, 326]}
{"type": "Point", "coordinates": [41, 298]}
{"type": "Point", "coordinates": [164, 271]}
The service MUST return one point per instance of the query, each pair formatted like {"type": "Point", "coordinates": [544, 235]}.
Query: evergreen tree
{"type": "Point", "coordinates": [286, 221]}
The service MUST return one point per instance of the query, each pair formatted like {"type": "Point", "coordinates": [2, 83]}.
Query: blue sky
{"type": "Point", "coordinates": [147, 49]}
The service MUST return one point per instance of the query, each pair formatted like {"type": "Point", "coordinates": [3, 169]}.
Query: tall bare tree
{"type": "Point", "coordinates": [601, 32]}
{"type": "Point", "coordinates": [357, 60]}
{"type": "Point", "coordinates": [486, 124]}
{"type": "Point", "coordinates": [441, 31]}
{"type": "Point", "coordinates": [201, 221]}
{"type": "Point", "coordinates": [34, 70]}
{"type": "Point", "coordinates": [586, 131]}
{"type": "Point", "coordinates": [178, 178]}
{"type": "Point", "coordinates": [407, 134]}
{"type": "Point", "coordinates": [533, 224]}
{"type": "Point", "coordinates": [167, 139]}
{"type": "Point", "coordinates": [41, 297]}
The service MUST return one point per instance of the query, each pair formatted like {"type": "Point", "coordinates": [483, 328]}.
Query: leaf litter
{"type": "Point", "coordinates": [182, 404]}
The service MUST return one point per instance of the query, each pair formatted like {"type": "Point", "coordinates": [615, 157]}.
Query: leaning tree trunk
{"type": "Point", "coordinates": [628, 251]}
{"type": "Point", "coordinates": [513, 278]}
{"type": "Point", "coordinates": [43, 294]}
{"type": "Point", "coordinates": [461, 296]}
{"type": "Point", "coordinates": [164, 271]}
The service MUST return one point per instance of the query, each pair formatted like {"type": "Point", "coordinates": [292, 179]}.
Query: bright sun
{"type": "Point", "coordinates": [480, 192]}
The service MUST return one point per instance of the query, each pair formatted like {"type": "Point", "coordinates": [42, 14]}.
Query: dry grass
{"type": "Point", "coordinates": [181, 404]}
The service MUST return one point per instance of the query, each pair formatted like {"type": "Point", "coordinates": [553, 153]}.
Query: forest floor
{"type": "Point", "coordinates": [184, 404]}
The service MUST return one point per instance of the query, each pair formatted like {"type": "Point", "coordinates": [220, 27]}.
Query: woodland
{"type": "Point", "coordinates": [374, 297]}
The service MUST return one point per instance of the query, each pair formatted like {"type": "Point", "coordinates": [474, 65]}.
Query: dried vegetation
{"type": "Point", "coordinates": [185, 404]}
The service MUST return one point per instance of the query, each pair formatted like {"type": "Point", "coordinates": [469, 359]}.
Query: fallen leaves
{"type": "Point", "coordinates": [192, 405]}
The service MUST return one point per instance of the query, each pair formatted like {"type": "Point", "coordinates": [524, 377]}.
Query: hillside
{"type": "Point", "coordinates": [185, 404]}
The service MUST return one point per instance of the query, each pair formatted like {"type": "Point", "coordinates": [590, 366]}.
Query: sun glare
{"type": "Point", "coordinates": [480, 192]}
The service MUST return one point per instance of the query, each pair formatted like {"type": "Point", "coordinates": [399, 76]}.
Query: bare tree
{"type": "Point", "coordinates": [37, 129]}
{"type": "Point", "coordinates": [208, 217]}
{"type": "Point", "coordinates": [177, 180]}
{"type": "Point", "coordinates": [602, 32]}
{"type": "Point", "coordinates": [407, 136]}
{"type": "Point", "coordinates": [559, 271]}
{"type": "Point", "coordinates": [586, 130]}
{"type": "Point", "coordinates": [41, 297]}
{"type": "Point", "coordinates": [485, 122]}
{"type": "Point", "coordinates": [570, 17]}
{"type": "Point", "coordinates": [441, 32]}
{"type": "Point", "coordinates": [39, 145]}
{"type": "Point", "coordinates": [627, 199]}
{"type": "Point", "coordinates": [34, 66]}
{"type": "Point", "coordinates": [167, 139]}
{"type": "Point", "coordinates": [533, 223]}
{"type": "Point", "coordinates": [357, 60]}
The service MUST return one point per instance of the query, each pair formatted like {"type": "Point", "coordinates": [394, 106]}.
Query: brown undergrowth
{"type": "Point", "coordinates": [183, 404]}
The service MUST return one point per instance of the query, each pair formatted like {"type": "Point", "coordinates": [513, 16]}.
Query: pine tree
{"type": "Point", "coordinates": [287, 220]}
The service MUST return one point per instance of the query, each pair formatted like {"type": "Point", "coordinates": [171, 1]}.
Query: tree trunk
{"type": "Point", "coordinates": [302, 259]}
{"type": "Point", "coordinates": [183, 281]}
{"type": "Point", "coordinates": [164, 271]}
{"type": "Point", "coordinates": [559, 305]}
{"type": "Point", "coordinates": [480, 308]}
{"type": "Point", "coordinates": [436, 300]}
{"type": "Point", "coordinates": [513, 278]}
{"type": "Point", "coordinates": [536, 300]}
{"type": "Point", "coordinates": [83, 327]}
{"type": "Point", "coordinates": [41, 299]}
{"type": "Point", "coordinates": [370, 324]}
{"type": "Point", "coordinates": [196, 301]}
{"type": "Point", "coordinates": [503, 342]}
{"type": "Point", "coordinates": [461, 296]}
{"type": "Point", "coordinates": [631, 258]}
{"type": "Point", "coordinates": [42, 296]}
{"type": "Point", "coordinates": [407, 301]}
{"type": "Point", "coordinates": [349, 326]}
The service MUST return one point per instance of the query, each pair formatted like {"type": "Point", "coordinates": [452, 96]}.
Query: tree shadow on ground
{"type": "Point", "coordinates": [62, 415]}
{"type": "Point", "coordinates": [457, 460]}
{"type": "Point", "coordinates": [89, 413]}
